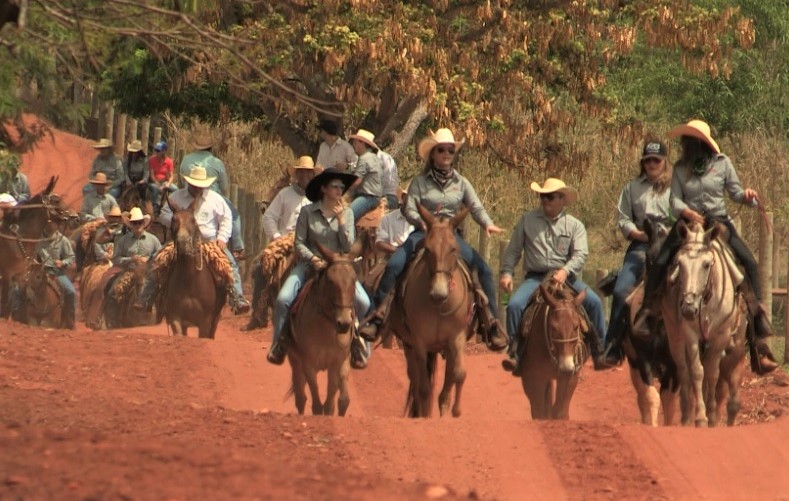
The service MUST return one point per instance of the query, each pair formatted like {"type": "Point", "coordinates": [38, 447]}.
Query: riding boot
{"type": "Point", "coordinates": [237, 303]}
{"type": "Point", "coordinates": [371, 326]}
{"type": "Point", "coordinates": [514, 356]}
{"type": "Point", "coordinates": [358, 353]}
{"type": "Point", "coordinates": [68, 315]}
{"type": "Point", "coordinates": [762, 359]}
{"type": "Point", "coordinates": [278, 349]}
{"type": "Point", "coordinates": [598, 358]}
{"type": "Point", "coordinates": [255, 322]}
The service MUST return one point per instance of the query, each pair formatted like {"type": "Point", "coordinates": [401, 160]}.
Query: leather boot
{"type": "Point", "coordinates": [512, 363]}
{"type": "Point", "coordinates": [358, 353]}
{"type": "Point", "coordinates": [371, 326]}
{"type": "Point", "coordinates": [279, 349]}
{"type": "Point", "coordinates": [762, 359]}
{"type": "Point", "coordinates": [254, 323]}
{"type": "Point", "coordinates": [598, 359]}
{"type": "Point", "coordinates": [497, 338]}
{"type": "Point", "coordinates": [68, 318]}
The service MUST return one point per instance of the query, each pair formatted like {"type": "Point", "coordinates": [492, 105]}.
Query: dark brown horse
{"type": "Point", "coordinates": [191, 296]}
{"type": "Point", "coordinates": [322, 330]}
{"type": "Point", "coordinates": [42, 297]}
{"type": "Point", "coordinates": [122, 293]}
{"type": "Point", "coordinates": [431, 316]}
{"type": "Point", "coordinates": [554, 353]}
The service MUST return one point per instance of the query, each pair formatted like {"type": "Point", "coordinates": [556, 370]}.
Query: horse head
{"type": "Point", "coordinates": [656, 234]}
{"type": "Point", "coordinates": [441, 250]}
{"type": "Point", "coordinates": [693, 264]}
{"type": "Point", "coordinates": [36, 275]}
{"type": "Point", "coordinates": [186, 234]}
{"type": "Point", "coordinates": [563, 328]}
{"type": "Point", "coordinates": [339, 285]}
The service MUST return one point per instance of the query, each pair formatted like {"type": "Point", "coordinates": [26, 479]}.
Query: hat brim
{"type": "Point", "coordinates": [146, 219]}
{"type": "Point", "coordinates": [200, 183]}
{"type": "Point", "coordinates": [313, 191]}
{"type": "Point", "coordinates": [293, 168]}
{"type": "Point", "coordinates": [133, 150]}
{"type": "Point", "coordinates": [653, 155]}
{"type": "Point", "coordinates": [426, 146]}
{"type": "Point", "coordinates": [104, 183]}
{"type": "Point", "coordinates": [686, 130]}
{"type": "Point", "coordinates": [102, 146]}
{"type": "Point", "coordinates": [570, 194]}
{"type": "Point", "coordinates": [364, 140]}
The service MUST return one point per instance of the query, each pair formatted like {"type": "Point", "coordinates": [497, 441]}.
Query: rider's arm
{"type": "Point", "coordinates": [579, 249]}
{"type": "Point", "coordinates": [732, 183]}
{"type": "Point", "coordinates": [409, 209]}
{"type": "Point", "coordinates": [512, 255]}
{"type": "Point", "coordinates": [225, 215]}
{"type": "Point", "coordinates": [302, 231]}
{"type": "Point", "coordinates": [471, 200]}
{"type": "Point", "coordinates": [270, 219]}
{"type": "Point", "coordinates": [66, 252]}
{"type": "Point", "coordinates": [627, 224]}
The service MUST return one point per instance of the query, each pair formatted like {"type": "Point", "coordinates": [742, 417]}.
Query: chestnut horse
{"type": "Point", "coordinates": [191, 296]}
{"type": "Point", "coordinates": [322, 328]}
{"type": "Point", "coordinates": [42, 297]}
{"type": "Point", "coordinates": [431, 315]}
{"type": "Point", "coordinates": [554, 353]}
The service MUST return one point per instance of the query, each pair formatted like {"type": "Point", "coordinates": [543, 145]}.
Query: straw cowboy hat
{"type": "Point", "coordinates": [135, 214]}
{"type": "Point", "coordinates": [99, 178]}
{"type": "Point", "coordinates": [313, 190]}
{"type": "Point", "coordinates": [198, 177]}
{"type": "Point", "coordinates": [441, 136]}
{"type": "Point", "coordinates": [366, 137]}
{"type": "Point", "coordinates": [103, 143]}
{"type": "Point", "coordinates": [552, 185]}
{"type": "Point", "coordinates": [203, 141]}
{"type": "Point", "coordinates": [304, 163]}
{"type": "Point", "coordinates": [115, 211]}
{"type": "Point", "coordinates": [134, 146]}
{"type": "Point", "coordinates": [697, 129]}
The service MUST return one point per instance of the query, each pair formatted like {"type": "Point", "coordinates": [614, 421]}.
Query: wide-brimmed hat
{"type": "Point", "coordinates": [7, 199]}
{"type": "Point", "coordinates": [198, 177]}
{"type": "Point", "coordinates": [203, 141]}
{"type": "Point", "coordinates": [698, 129]}
{"type": "Point", "coordinates": [304, 163]}
{"type": "Point", "coordinates": [654, 149]}
{"type": "Point", "coordinates": [313, 190]}
{"type": "Point", "coordinates": [114, 211]}
{"type": "Point", "coordinates": [135, 214]}
{"type": "Point", "coordinates": [103, 143]}
{"type": "Point", "coordinates": [441, 136]}
{"type": "Point", "coordinates": [553, 185]}
{"type": "Point", "coordinates": [134, 146]}
{"type": "Point", "coordinates": [366, 137]}
{"type": "Point", "coordinates": [330, 127]}
{"type": "Point", "coordinates": [99, 178]}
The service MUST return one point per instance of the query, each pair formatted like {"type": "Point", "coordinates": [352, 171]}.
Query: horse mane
{"type": "Point", "coordinates": [559, 292]}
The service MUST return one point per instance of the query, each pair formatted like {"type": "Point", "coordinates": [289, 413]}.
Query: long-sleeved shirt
{"type": "Point", "coordinates": [105, 236]}
{"type": "Point", "coordinates": [444, 200]}
{"type": "Point", "coordinates": [368, 169]}
{"type": "Point", "coordinates": [137, 170]}
{"type": "Point", "coordinates": [341, 152]}
{"type": "Point", "coordinates": [214, 167]}
{"type": "Point", "coordinates": [57, 249]}
{"type": "Point", "coordinates": [111, 166]}
{"type": "Point", "coordinates": [312, 228]}
{"type": "Point", "coordinates": [213, 215]}
{"type": "Point", "coordinates": [130, 246]}
{"type": "Point", "coordinates": [281, 215]}
{"type": "Point", "coordinates": [704, 194]}
{"type": "Point", "coordinates": [546, 244]}
{"type": "Point", "coordinates": [638, 202]}
{"type": "Point", "coordinates": [94, 206]}
{"type": "Point", "coordinates": [393, 229]}
{"type": "Point", "coordinates": [390, 179]}
{"type": "Point", "coordinates": [16, 186]}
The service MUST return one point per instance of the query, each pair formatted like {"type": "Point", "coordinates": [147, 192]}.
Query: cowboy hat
{"type": "Point", "coordinates": [7, 199]}
{"type": "Point", "coordinates": [203, 141]}
{"type": "Point", "coordinates": [99, 178]}
{"type": "Point", "coordinates": [103, 143]}
{"type": "Point", "coordinates": [115, 211]}
{"type": "Point", "coordinates": [366, 137]}
{"type": "Point", "coordinates": [304, 163]}
{"type": "Point", "coordinates": [313, 190]}
{"type": "Point", "coordinates": [441, 136]}
{"type": "Point", "coordinates": [134, 146]}
{"type": "Point", "coordinates": [198, 177]}
{"type": "Point", "coordinates": [553, 185]}
{"type": "Point", "coordinates": [697, 129]}
{"type": "Point", "coordinates": [135, 214]}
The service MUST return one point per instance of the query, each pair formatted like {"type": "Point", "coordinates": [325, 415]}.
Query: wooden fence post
{"type": "Point", "coordinates": [133, 129]}
{"type": "Point", "coordinates": [145, 133]}
{"type": "Point", "coordinates": [157, 135]}
{"type": "Point", "coordinates": [109, 124]}
{"type": "Point", "coordinates": [120, 134]}
{"type": "Point", "coordinates": [786, 312]}
{"type": "Point", "coordinates": [504, 297]}
{"type": "Point", "coordinates": [765, 262]}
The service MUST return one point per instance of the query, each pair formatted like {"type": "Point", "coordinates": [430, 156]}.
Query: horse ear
{"type": "Point", "coordinates": [329, 255]}
{"type": "Point", "coordinates": [547, 296]}
{"type": "Point", "coordinates": [356, 248]}
{"type": "Point", "coordinates": [579, 299]}
{"type": "Point", "coordinates": [427, 217]}
{"type": "Point", "coordinates": [459, 217]}
{"type": "Point", "coordinates": [51, 185]}
{"type": "Point", "coordinates": [713, 233]}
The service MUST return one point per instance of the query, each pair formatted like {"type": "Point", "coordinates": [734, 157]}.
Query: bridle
{"type": "Point", "coordinates": [551, 341]}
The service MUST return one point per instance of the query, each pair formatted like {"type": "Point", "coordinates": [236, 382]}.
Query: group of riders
{"type": "Point", "coordinates": [312, 211]}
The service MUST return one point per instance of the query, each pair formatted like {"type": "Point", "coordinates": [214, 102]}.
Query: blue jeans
{"type": "Point", "coordinates": [236, 242]}
{"type": "Point", "coordinates": [236, 275]}
{"type": "Point", "coordinates": [155, 190]}
{"type": "Point", "coordinates": [632, 268]}
{"type": "Point", "coordinates": [391, 202]}
{"type": "Point", "coordinates": [402, 254]}
{"type": "Point", "coordinates": [290, 289]}
{"type": "Point", "coordinates": [363, 204]}
{"type": "Point", "coordinates": [520, 298]}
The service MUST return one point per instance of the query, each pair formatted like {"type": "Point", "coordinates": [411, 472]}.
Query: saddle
{"type": "Point", "coordinates": [536, 300]}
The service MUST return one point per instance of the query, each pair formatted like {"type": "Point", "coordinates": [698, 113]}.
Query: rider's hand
{"type": "Point", "coordinates": [639, 236]}
{"type": "Point", "coordinates": [58, 263]}
{"type": "Point", "coordinates": [560, 276]}
{"type": "Point", "coordinates": [339, 211]}
{"type": "Point", "coordinates": [222, 244]}
{"type": "Point", "coordinates": [492, 228]}
{"type": "Point", "coordinates": [750, 195]}
{"type": "Point", "coordinates": [317, 263]}
{"type": "Point", "coordinates": [692, 216]}
{"type": "Point", "coordinates": [505, 282]}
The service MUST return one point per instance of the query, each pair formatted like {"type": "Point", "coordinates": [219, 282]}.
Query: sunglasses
{"type": "Point", "coordinates": [337, 186]}
{"type": "Point", "coordinates": [550, 196]}
{"type": "Point", "coordinates": [442, 149]}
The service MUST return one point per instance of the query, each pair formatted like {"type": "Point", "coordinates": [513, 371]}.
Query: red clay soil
{"type": "Point", "coordinates": [138, 414]}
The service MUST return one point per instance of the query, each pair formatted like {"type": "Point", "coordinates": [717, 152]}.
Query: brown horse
{"type": "Point", "coordinates": [122, 293]}
{"type": "Point", "coordinates": [191, 296]}
{"type": "Point", "coordinates": [322, 329]}
{"type": "Point", "coordinates": [42, 297]}
{"type": "Point", "coordinates": [431, 315]}
{"type": "Point", "coordinates": [554, 353]}
{"type": "Point", "coordinates": [705, 321]}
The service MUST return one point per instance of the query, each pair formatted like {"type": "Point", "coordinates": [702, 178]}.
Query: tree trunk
{"type": "Point", "coordinates": [407, 133]}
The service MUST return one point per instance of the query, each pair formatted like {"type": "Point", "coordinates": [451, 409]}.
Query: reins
{"type": "Point", "coordinates": [550, 340]}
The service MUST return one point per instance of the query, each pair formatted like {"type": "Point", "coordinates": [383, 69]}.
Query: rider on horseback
{"type": "Point", "coordinates": [367, 190]}
{"type": "Point", "coordinates": [14, 182]}
{"type": "Point", "coordinates": [162, 174]}
{"type": "Point", "coordinates": [136, 246]}
{"type": "Point", "coordinates": [107, 163]}
{"type": "Point", "coordinates": [56, 254]}
{"type": "Point", "coordinates": [97, 202]}
{"type": "Point", "coordinates": [701, 175]}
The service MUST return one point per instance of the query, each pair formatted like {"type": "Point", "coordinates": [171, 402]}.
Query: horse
{"type": "Point", "coordinates": [436, 322]}
{"type": "Point", "coordinates": [191, 297]}
{"type": "Point", "coordinates": [554, 352]}
{"type": "Point", "coordinates": [322, 328]}
{"type": "Point", "coordinates": [122, 293]}
{"type": "Point", "coordinates": [42, 297]}
{"type": "Point", "coordinates": [705, 322]}
{"type": "Point", "coordinates": [20, 231]}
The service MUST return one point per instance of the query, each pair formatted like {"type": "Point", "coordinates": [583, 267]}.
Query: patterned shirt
{"type": "Point", "coordinates": [444, 200]}
{"type": "Point", "coordinates": [313, 227]}
{"type": "Point", "coordinates": [130, 246]}
{"type": "Point", "coordinates": [394, 229]}
{"type": "Point", "coordinates": [213, 168]}
{"type": "Point", "coordinates": [638, 202]}
{"type": "Point", "coordinates": [704, 194]}
{"type": "Point", "coordinates": [341, 152]}
{"type": "Point", "coordinates": [212, 213]}
{"type": "Point", "coordinates": [546, 244]}
{"type": "Point", "coordinates": [111, 166]}
{"type": "Point", "coordinates": [94, 206]}
{"type": "Point", "coordinates": [58, 248]}
{"type": "Point", "coordinates": [368, 169]}
{"type": "Point", "coordinates": [281, 215]}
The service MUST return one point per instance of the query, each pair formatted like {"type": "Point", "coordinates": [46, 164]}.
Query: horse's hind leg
{"type": "Point", "coordinates": [315, 394]}
{"type": "Point", "coordinates": [646, 397]}
{"type": "Point", "coordinates": [298, 382]}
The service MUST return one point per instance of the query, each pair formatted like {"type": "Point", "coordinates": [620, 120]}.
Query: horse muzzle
{"type": "Point", "coordinates": [343, 320]}
{"type": "Point", "coordinates": [439, 287]}
{"type": "Point", "coordinates": [566, 364]}
{"type": "Point", "coordinates": [690, 305]}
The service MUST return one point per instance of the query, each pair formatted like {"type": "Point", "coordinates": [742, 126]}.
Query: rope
{"type": "Point", "coordinates": [25, 239]}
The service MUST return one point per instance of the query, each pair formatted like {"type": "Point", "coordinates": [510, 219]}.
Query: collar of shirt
{"type": "Point", "coordinates": [544, 216]}
{"type": "Point", "coordinates": [297, 189]}
{"type": "Point", "coordinates": [452, 177]}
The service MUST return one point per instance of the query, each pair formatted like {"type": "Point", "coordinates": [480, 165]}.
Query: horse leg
{"type": "Point", "coordinates": [333, 384]}
{"type": "Point", "coordinates": [565, 387]}
{"type": "Point", "coordinates": [697, 374]}
{"type": "Point", "coordinates": [712, 362]}
{"type": "Point", "coordinates": [5, 297]}
{"type": "Point", "coordinates": [445, 397]}
{"type": "Point", "coordinates": [312, 381]}
{"type": "Point", "coordinates": [685, 403]}
{"type": "Point", "coordinates": [534, 388]}
{"type": "Point", "coordinates": [344, 399]}
{"type": "Point", "coordinates": [421, 384]}
{"type": "Point", "coordinates": [459, 373]}
{"type": "Point", "coordinates": [732, 366]}
{"type": "Point", "coordinates": [647, 398]}
{"type": "Point", "coordinates": [298, 381]}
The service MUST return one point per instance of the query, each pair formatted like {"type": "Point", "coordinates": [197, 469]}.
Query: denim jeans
{"type": "Point", "coordinates": [391, 202]}
{"type": "Point", "coordinates": [520, 298]}
{"type": "Point", "coordinates": [236, 242]}
{"type": "Point", "coordinates": [363, 204]}
{"type": "Point", "coordinates": [236, 275]}
{"type": "Point", "coordinates": [632, 268]}
{"type": "Point", "coordinates": [155, 190]}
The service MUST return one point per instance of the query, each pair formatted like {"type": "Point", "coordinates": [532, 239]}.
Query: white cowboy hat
{"type": "Point", "coordinates": [697, 129]}
{"type": "Point", "coordinates": [135, 214]}
{"type": "Point", "coordinates": [99, 178]}
{"type": "Point", "coordinates": [7, 199]}
{"type": "Point", "coordinates": [134, 146]}
{"type": "Point", "coordinates": [304, 163]}
{"type": "Point", "coordinates": [115, 211]}
{"type": "Point", "coordinates": [366, 137]}
{"type": "Point", "coordinates": [103, 143]}
{"type": "Point", "coordinates": [441, 136]}
{"type": "Point", "coordinates": [553, 185]}
{"type": "Point", "coordinates": [199, 178]}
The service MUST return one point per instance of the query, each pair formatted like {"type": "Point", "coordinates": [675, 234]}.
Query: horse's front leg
{"type": "Point", "coordinates": [312, 381]}
{"type": "Point", "coordinates": [647, 398]}
{"type": "Point", "coordinates": [344, 400]}
{"type": "Point", "coordinates": [298, 381]}
{"type": "Point", "coordinates": [697, 379]}
{"type": "Point", "coordinates": [5, 298]}
{"type": "Point", "coordinates": [454, 375]}
{"type": "Point", "coordinates": [711, 366]}
{"type": "Point", "coordinates": [732, 368]}
{"type": "Point", "coordinates": [565, 387]}
{"type": "Point", "coordinates": [677, 347]}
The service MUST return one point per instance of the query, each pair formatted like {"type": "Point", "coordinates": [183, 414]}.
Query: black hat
{"type": "Point", "coordinates": [313, 190]}
{"type": "Point", "coordinates": [329, 127]}
{"type": "Point", "coordinates": [654, 149]}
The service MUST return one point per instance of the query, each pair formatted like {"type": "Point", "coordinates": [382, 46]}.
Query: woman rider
{"type": "Point", "coordinates": [327, 222]}
{"type": "Point", "coordinates": [442, 191]}
{"type": "Point", "coordinates": [701, 175]}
